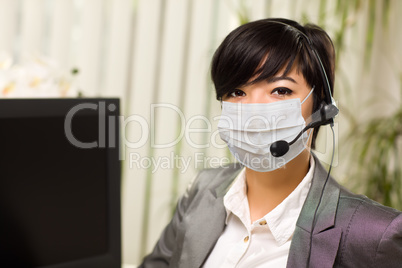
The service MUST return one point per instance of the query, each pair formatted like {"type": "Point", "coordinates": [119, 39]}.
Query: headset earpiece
{"type": "Point", "coordinates": [324, 115]}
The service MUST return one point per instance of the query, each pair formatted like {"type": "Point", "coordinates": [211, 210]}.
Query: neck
{"type": "Point", "coordinates": [266, 190]}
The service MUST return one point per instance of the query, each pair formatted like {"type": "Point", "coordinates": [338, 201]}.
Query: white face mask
{"type": "Point", "coordinates": [249, 129]}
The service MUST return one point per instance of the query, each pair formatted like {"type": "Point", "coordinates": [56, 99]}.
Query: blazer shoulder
{"type": "Point", "coordinates": [372, 232]}
{"type": "Point", "coordinates": [169, 248]}
{"type": "Point", "coordinates": [363, 203]}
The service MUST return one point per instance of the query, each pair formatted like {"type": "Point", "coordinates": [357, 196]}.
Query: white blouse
{"type": "Point", "coordinates": [265, 242]}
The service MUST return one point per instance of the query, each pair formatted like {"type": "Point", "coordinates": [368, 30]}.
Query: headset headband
{"type": "Point", "coordinates": [327, 86]}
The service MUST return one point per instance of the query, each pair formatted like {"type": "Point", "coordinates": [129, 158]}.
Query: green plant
{"type": "Point", "coordinates": [373, 146]}
{"type": "Point", "coordinates": [377, 149]}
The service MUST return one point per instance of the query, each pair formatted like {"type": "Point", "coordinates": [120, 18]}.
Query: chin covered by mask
{"type": "Point", "coordinates": [249, 129]}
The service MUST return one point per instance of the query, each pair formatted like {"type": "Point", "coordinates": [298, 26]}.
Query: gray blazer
{"type": "Point", "coordinates": [350, 230]}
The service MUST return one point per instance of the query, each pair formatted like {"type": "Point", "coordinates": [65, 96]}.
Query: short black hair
{"type": "Point", "coordinates": [241, 53]}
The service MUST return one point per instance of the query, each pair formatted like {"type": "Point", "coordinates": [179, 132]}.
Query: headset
{"type": "Point", "coordinates": [323, 116]}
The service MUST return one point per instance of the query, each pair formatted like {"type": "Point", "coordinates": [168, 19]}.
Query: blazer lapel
{"type": "Point", "coordinates": [325, 238]}
{"type": "Point", "coordinates": [204, 224]}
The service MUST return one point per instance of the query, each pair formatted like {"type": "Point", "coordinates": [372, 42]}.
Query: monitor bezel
{"type": "Point", "coordinates": [49, 107]}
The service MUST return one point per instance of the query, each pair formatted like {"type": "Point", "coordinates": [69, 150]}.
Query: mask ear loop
{"type": "Point", "coordinates": [308, 95]}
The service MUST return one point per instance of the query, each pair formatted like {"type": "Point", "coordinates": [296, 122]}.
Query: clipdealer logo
{"type": "Point", "coordinates": [146, 130]}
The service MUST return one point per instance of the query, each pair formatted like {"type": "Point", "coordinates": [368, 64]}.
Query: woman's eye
{"type": "Point", "coordinates": [282, 91]}
{"type": "Point", "coordinates": [237, 93]}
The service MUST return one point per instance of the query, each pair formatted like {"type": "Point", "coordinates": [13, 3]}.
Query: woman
{"type": "Point", "coordinates": [279, 208]}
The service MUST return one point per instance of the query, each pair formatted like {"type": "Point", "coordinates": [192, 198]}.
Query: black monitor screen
{"type": "Point", "coordinates": [53, 195]}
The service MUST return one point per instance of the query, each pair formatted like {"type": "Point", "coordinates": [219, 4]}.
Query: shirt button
{"type": "Point", "coordinates": [263, 222]}
{"type": "Point", "coordinates": [246, 239]}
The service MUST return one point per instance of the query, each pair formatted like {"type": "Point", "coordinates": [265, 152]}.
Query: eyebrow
{"type": "Point", "coordinates": [278, 78]}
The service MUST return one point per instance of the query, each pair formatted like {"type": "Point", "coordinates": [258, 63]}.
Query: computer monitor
{"type": "Point", "coordinates": [59, 183]}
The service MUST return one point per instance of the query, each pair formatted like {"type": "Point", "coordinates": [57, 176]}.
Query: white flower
{"type": "Point", "coordinates": [35, 78]}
